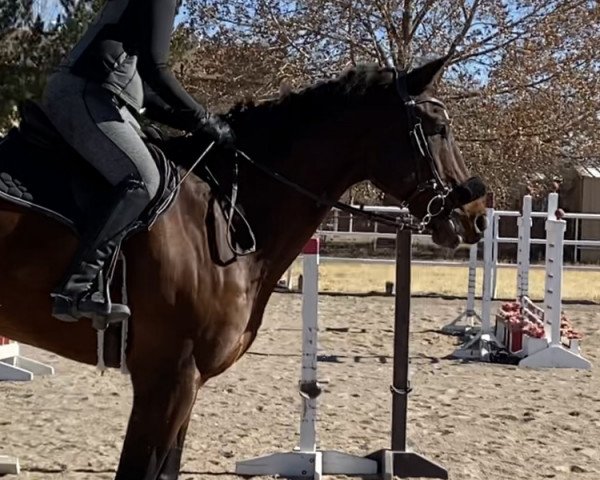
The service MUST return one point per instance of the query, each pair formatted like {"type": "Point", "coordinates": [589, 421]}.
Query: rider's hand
{"type": "Point", "coordinates": [218, 130]}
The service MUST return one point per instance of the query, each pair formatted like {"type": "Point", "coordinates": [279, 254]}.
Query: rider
{"type": "Point", "coordinates": [88, 99]}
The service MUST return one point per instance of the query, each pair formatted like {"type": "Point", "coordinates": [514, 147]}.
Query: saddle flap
{"type": "Point", "coordinates": [37, 127]}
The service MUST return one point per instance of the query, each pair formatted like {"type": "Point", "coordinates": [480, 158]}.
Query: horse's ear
{"type": "Point", "coordinates": [426, 76]}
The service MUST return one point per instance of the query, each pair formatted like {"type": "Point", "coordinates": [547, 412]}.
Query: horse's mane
{"type": "Point", "coordinates": [355, 82]}
{"type": "Point", "coordinates": [324, 96]}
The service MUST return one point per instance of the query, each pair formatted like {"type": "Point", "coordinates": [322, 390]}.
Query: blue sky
{"type": "Point", "coordinates": [49, 9]}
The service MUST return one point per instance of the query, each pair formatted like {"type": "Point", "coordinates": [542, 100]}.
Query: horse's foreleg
{"type": "Point", "coordinates": [164, 393]}
{"type": "Point", "coordinates": [172, 464]}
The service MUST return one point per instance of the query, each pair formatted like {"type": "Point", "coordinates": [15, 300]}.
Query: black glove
{"type": "Point", "coordinates": [218, 130]}
{"type": "Point", "coordinates": [153, 133]}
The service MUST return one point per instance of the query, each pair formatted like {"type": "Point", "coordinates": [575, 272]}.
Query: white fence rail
{"type": "Point", "coordinates": [330, 232]}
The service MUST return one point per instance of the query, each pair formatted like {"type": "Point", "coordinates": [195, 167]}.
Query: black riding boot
{"type": "Point", "coordinates": [75, 296]}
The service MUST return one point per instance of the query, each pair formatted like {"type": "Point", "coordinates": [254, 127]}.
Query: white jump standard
{"type": "Point", "coordinates": [465, 322]}
{"type": "Point", "coordinates": [307, 461]}
{"type": "Point", "coordinates": [553, 354]}
{"type": "Point", "coordinates": [481, 345]}
{"type": "Point", "coordinates": [548, 351]}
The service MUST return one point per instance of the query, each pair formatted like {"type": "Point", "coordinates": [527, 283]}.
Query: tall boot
{"type": "Point", "coordinates": [75, 296]}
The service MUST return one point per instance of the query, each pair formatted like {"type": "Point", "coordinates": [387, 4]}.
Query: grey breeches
{"type": "Point", "coordinates": [91, 121]}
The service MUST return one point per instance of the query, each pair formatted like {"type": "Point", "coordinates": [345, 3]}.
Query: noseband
{"type": "Point", "coordinates": [443, 198]}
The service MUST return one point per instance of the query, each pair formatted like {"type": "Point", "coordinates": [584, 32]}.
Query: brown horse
{"type": "Point", "coordinates": [192, 316]}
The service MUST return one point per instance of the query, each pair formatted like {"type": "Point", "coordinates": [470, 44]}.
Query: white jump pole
{"type": "Point", "coordinates": [309, 386]}
{"type": "Point", "coordinates": [524, 223]}
{"type": "Point", "coordinates": [8, 350]}
{"type": "Point", "coordinates": [488, 275]}
{"type": "Point", "coordinates": [555, 232]}
{"type": "Point", "coordinates": [495, 254]}
{"type": "Point", "coordinates": [457, 326]}
{"type": "Point", "coordinates": [306, 460]}
{"type": "Point", "coordinates": [478, 347]}
{"type": "Point", "coordinates": [14, 367]}
{"type": "Point", "coordinates": [555, 355]}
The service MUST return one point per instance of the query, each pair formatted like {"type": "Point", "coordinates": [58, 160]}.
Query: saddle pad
{"type": "Point", "coordinates": [63, 186]}
{"type": "Point", "coordinates": [43, 180]}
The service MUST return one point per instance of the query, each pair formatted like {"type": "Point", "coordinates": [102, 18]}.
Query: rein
{"type": "Point", "coordinates": [443, 201]}
{"type": "Point", "coordinates": [439, 203]}
{"type": "Point", "coordinates": [325, 202]}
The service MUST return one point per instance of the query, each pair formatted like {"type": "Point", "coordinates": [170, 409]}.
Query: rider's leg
{"type": "Point", "coordinates": [95, 126]}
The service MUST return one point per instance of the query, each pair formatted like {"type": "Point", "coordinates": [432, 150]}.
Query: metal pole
{"type": "Point", "coordinates": [401, 385]}
{"type": "Point", "coordinates": [397, 461]}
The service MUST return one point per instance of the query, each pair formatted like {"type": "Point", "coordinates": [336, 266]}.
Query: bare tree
{"type": "Point", "coordinates": [31, 46]}
{"type": "Point", "coordinates": [522, 83]}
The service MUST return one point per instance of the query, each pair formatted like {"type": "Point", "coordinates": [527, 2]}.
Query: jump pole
{"type": "Point", "coordinates": [524, 223]}
{"type": "Point", "coordinates": [555, 354]}
{"type": "Point", "coordinates": [307, 461]}
{"type": "Point", "coordinates": [13, 367]}
{"type": "Point", "coordinates": [465, 322]}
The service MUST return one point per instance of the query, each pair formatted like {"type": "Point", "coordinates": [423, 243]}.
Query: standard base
{"type": "Point", "coordinates": [9, 466]}
{"type": "Point", "coordinates": [555, 356]}
{"type": "Point", "coordinates": [406, 465]}
{"type": "Point", "coordinates": [308, 465]}
{"type": "Point", "coordinates": [15, 368]}
{"type": "Point", "coordinates": [477, 348]}
{"type": "Point", "coordinates": [462, 324]}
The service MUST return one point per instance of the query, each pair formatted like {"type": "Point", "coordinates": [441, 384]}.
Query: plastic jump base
{"type": "Point", "coordinates": [9, 465]}
{"type": "Point", "coordinates": [16, 368]}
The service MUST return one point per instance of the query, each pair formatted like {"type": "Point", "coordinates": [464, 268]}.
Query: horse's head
{"type": "Point", "coordinates": [431, 179]}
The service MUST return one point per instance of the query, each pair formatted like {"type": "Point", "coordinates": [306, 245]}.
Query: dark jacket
{"type": "Point", "coordinates": [126, 50]}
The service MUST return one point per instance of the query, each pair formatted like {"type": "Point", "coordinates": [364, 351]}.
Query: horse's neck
{"type": "Point", "coordinates": [323, 156]}
{"type": "Point", "coordinates": [284, 219]}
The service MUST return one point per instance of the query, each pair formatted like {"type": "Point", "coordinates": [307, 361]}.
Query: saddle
{"type": "Point", "coordinates": [64, 185]}
{"type": "Point", "coordinates": [41, 172]}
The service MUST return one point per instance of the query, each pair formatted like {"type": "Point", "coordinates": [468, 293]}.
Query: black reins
{"type": "Point", "coordinates": [321, 200]}
{"type": "Point", "coordinates": [444, 198]}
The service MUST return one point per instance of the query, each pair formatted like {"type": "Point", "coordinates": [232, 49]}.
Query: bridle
{"type": "Point", "coordinates": [444, 198]}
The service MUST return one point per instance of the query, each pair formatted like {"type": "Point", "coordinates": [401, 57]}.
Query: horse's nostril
{"type": "Point", "coordinates": [481, 223]}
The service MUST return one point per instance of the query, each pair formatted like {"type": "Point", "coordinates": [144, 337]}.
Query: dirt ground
{"type": "Point", "coordinates": [481, 421]}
